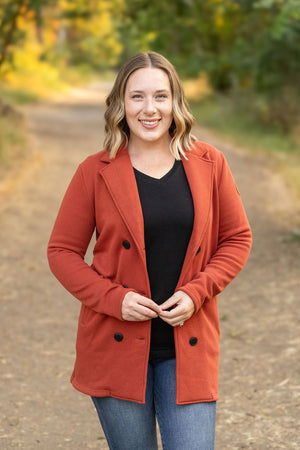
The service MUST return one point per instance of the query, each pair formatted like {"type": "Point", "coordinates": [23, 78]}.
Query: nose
{"type": "Point", "coordinates": [149, 106]}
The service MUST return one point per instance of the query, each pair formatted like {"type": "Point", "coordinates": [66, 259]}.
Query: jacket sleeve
{"type": "Point", "coordinates": [71, 235]}
{"type": "Point", "coordinates": [234, 241]}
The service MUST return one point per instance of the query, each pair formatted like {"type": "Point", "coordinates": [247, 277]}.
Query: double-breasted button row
{"type": "Point", "coordinates": [126, 244]}
{"type": "Point", "coordinates": [119, 338]}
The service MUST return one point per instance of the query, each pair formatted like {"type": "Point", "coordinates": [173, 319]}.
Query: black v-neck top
{"type": "Point", "coordinates": [168, 213]}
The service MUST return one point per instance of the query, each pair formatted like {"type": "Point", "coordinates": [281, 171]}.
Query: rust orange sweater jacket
{"type": "Point", "coordinates": [112, 354]}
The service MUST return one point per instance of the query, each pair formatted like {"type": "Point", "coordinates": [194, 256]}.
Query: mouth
{"type": "Point", "coordinates": [149, 123]}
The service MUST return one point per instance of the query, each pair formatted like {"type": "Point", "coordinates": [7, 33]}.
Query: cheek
{"type": "Point", "coordinates": [169, 110]}
{"type": "Point", "coordinates": [130, 110]}
{"type": "Point", "coordinates": [169, 114]}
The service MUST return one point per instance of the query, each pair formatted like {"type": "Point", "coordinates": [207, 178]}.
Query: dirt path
{"type": "Point", "coordinates": [259, 378]}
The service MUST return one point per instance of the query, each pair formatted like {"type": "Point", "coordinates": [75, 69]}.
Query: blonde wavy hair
{"type": "Point", "coordinates": [116, 128]}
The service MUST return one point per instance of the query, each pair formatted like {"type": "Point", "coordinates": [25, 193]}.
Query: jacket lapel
{"type": "Point", "coordinates": [199, 172]}
{"type": "Point", "coordinates": [119, 178]}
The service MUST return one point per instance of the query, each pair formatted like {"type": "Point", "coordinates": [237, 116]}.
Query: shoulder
{"type": "Point", "coordinates": [208, 153]}
{"type": "Point", "coordinates": [205, 151]}
{"type": "Point", "coordinates": [95, 161]}
{"type": "Point", "coordinates": [88, 170]}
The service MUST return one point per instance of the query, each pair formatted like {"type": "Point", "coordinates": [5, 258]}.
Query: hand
{"type": "Point", "coordinates": [137, 308]}
{"type": "Point", "coordinates": [182, 309]}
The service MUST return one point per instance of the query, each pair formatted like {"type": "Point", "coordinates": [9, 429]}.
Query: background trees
{"type": "Point", "coordinates": [243, 46]}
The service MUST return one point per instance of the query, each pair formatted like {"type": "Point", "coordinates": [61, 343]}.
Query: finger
{"type": "Point", "coordinates": [138, 314]}
{"type": "Point", "coordinates": [132, 299]}
{"type": "Point", "coordinates": [182, 312]}
{"type": "Point", "coordinates": [145, 311]}
{"type": "Point", "coordinates": [174, 322]}
{"type": "Point", "coordinates": [174, 314]}
{"type": "Point", "coordinates": [171, 315]}
{"type": "Point", "coordinates": [176, 311]}
{"type": "Point", "coordinates": [134, 316]}
{"type": "Point", "coordinates": [172, 301]}
{"type": "Point", "coordinates": [184, 305]}
{"type": "Point", "coordinates": [148, 303]}
{"type": "Point", "coordinates": [138, 309]}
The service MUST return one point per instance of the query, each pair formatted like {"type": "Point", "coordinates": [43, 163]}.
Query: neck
{"type": "Point", "coordinates": [151, 148]}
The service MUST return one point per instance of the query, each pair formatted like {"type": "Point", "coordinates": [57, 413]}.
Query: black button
{"type": "Point", "coordinates": [124, 286]}
{"type": "Point", "coordinates": [126, 244]}
{"type": "Point", "coordinates": [198, 251]}
{"type": "Point", "coordinates": [118, 337]}
{"type": "Point", "coordinates": [193, 341]}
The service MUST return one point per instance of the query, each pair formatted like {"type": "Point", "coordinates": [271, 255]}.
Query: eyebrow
{"type": "Point", "coordinates": [156, 92]}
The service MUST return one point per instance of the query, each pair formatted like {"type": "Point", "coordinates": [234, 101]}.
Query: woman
{"type": "Point", "coordinates": [171, 233]}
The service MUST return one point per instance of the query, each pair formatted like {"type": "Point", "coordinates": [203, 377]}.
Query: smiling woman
{"type": "Point", "coordinates": [171, 234]}
{"type": "Point", "coordinates": [116, 124]}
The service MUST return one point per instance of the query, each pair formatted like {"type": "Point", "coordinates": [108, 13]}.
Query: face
{"type": "Point", "coordinates": [148, 105]}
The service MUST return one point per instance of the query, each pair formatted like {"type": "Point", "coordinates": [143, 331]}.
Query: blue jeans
{"type": "Point", "coordinates": [132, 426]}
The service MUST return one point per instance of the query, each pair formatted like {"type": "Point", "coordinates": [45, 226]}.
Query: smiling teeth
{"type": "Point", "coordinates": [148, 122]}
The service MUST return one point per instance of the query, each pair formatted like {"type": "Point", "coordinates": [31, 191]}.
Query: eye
{"type": "Point", "coordinates": [136, 96]}
{"type": "Point", "coordinates": [161, 96]}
